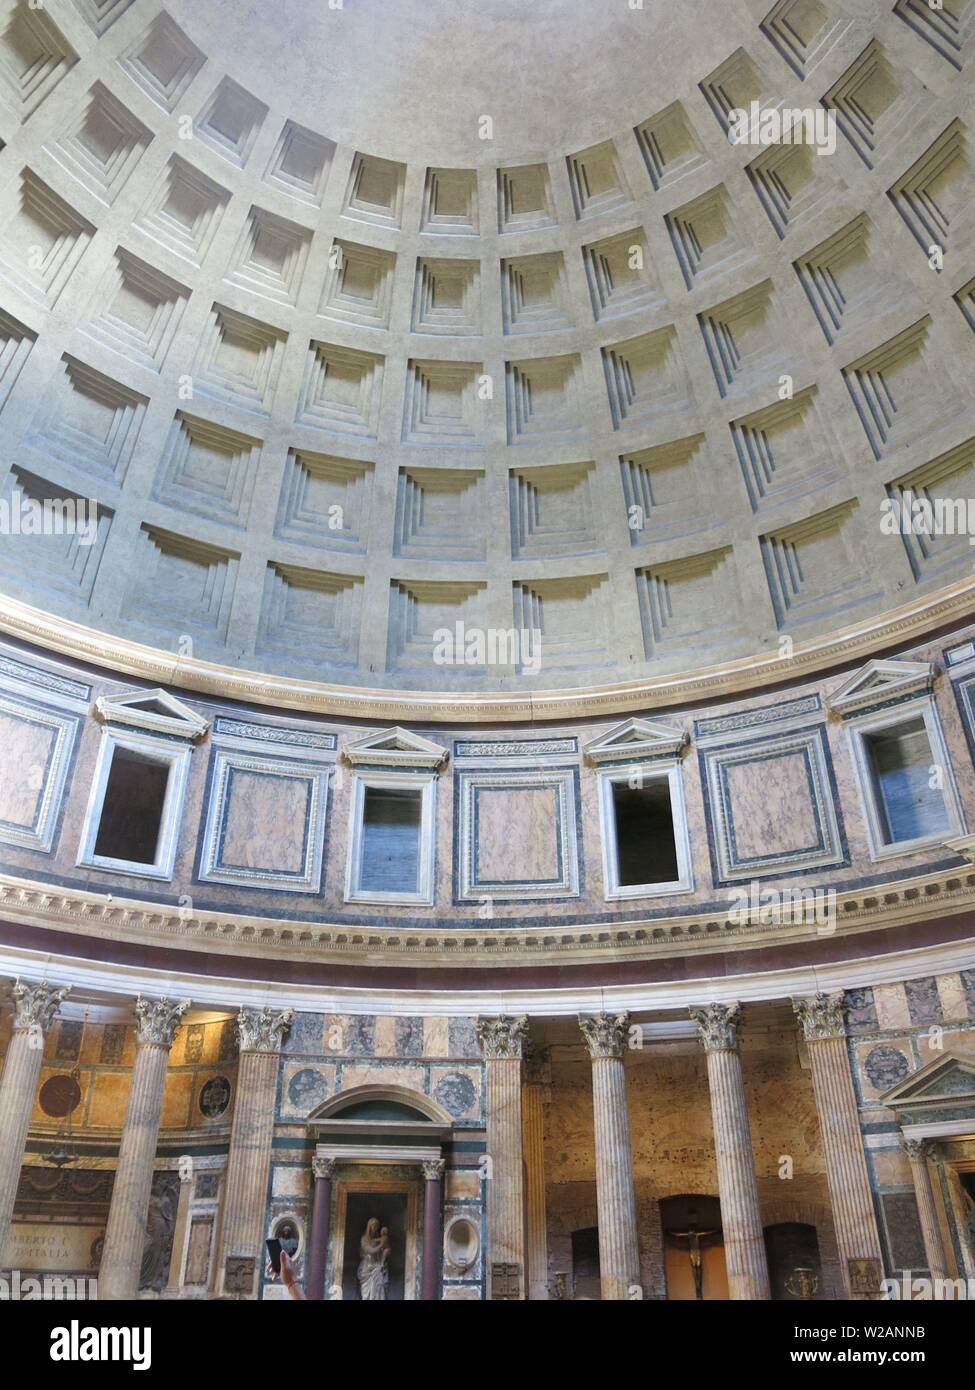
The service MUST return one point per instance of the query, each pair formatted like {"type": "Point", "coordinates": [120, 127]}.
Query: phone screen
{"type": "Point", "coordinates": [274, 1255]}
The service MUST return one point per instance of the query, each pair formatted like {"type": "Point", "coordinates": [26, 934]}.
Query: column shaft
{"type": "Point", "coordinates": [432, 1233]}
{"type": "Point", "coordinates": [35, 1007]}
{"type": "Point", "coordinates": [854, 1220]}
{"type": "Point", "coordinates": [125, 1234]}
{"type": "Point", "coordinates": [741, 1221]}
{"type": "Point", "coordinates": [318, 1241]}
{"type": "Point", "coordinates": [918, 1152]}
{"type": "Point", "coordinates": [619, 1256]}
{"type": "Point", "coordinates": [248, 1167]}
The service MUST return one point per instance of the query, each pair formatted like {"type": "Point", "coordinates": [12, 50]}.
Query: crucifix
{"type": "Point", "coordinates": [694, 1238]}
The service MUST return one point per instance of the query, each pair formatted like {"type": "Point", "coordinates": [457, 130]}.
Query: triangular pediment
{"type": "Point", "coordinates": [395, 748]}
{"type": "Point", "coordinates": [881, 681]}
{"type": "Point", "coordinates": [636, 738]}
{"type": "Point", "coordinates": [950, 1077]}
{"type": "Point", "coordinates": [154, 710]}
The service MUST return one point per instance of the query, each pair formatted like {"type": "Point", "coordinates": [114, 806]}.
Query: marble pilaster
{"type": "Point", "coordinates": [502, 1040]}
{"type": "Point", "coordinates": [260, 1033]}
{"type": "Point", "coordinates": [855, 1224]}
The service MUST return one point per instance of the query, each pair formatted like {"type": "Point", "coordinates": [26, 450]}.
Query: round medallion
{"type": "Point", "coordinates": [215, 1097]}
{"type": "Point", "coordinates": [59, 1096]}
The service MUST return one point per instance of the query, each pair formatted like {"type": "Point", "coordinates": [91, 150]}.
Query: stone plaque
{"type": "Point", "coordinates": [239, 1274]}
{"type": "Point", "coordinates": [505, 1282]}
{"type": "Point", "coordinates": [865, 1276]}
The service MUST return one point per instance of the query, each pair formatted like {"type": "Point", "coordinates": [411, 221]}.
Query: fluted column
{"type": "Point", "coordinates": [260, 1033]}
{"type": "Point", "coordinates": [35, 1008]}
{"type": "Point", "coordinates": [502, 1040]}
{"type": "Point", "coordinates": [919, 1151]}
{"type": "Point", "coordinates": [741, 1221]}
{"type": "Point", "coordinates": [534, 1095]}
{"type": "Point", "coordinates": [125, 1234]}
{"type": "Point", "coordinates": [619, 1254]}
{"type": "Point", "coordinates": [432, 1231]}
{"type": "Point", "coordinates": [317, 1262]}
{"type": "Point", "coordinates": [854, 1220]}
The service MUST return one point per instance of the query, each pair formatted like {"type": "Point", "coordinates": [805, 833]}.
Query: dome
{"type": "Point", "coordinates": [457, 348]}
{"type": "Point", "coordinates": [487, 649]}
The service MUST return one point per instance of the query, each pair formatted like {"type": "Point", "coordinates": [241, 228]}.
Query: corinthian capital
{"type": "Point", "coordinates": [605, 1034]}
{"type": "Point", "coordinates": [821, 1016]}
{"type": "Point", "coordinates": [920, 1150]}
{"type": "Point", "coordinates": [433, 1169]}
{"type": "Point", "coordinates": [36, 1006]}
{"type": "Point", "coordinates": [323, 1167]}
{"type": "Point", "coordinates": [503, 1037]}
{"type": "Point", "coordinates": [263, 1030]}
{"type": "Point", "coordinates": [157, 1020]}
{"type": "Point", "coordinates": [717, 1025]}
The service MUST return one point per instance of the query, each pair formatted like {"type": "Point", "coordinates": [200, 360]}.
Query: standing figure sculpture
{"type": "Point", "coordinates": [373, 1272]}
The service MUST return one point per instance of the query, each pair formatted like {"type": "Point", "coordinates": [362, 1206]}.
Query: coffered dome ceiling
{"type": "Point", "coordinates": [361, 323]}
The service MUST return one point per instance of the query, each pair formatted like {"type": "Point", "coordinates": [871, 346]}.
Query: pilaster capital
{"type": "Point", "coordinates": [920, 1150]}
{"type": "Point", "coordinates": [323, 1167]}
{"type": "Point", "coordinates": [717, 1026]}
{"type": "Point", "coordinates": [263, 1030]}
{"type": "Point", "coordinates": [36, 1005]}
{"type": "Point", "coordinates": [822, 1016]}
{"type": "Point", "coordinates": [502, 1038]}
{"type": "Point", "coordinates": [605, 1034]}
{"type": "Point", "coordinates": [157, 1020]}
{"type": "Point", "coordinates": [433, 1170]}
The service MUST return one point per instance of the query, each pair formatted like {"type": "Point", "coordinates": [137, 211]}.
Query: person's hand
{"type": "Point", "coordinates": [287, 1271]}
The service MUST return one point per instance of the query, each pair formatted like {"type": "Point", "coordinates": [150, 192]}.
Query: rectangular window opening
{"type": "Point", "coordinates": [646, 847]}
{"type": "Point", "coordinates": [391, 829]}
{"type": "Point", "coordinates": [909, 803]}
{"type": "Point", "coordinates": [132, 809]}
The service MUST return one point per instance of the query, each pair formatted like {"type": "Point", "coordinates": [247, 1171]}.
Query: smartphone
{"type": "Point", "coordinates": [274, 1255]}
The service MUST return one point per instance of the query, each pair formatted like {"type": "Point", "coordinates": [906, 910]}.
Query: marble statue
{"type": "Point", "coordinates": [373, 1271]}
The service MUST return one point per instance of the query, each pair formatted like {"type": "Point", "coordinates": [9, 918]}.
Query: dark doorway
{"type": "Point", "coordinates": [585, 1263]}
